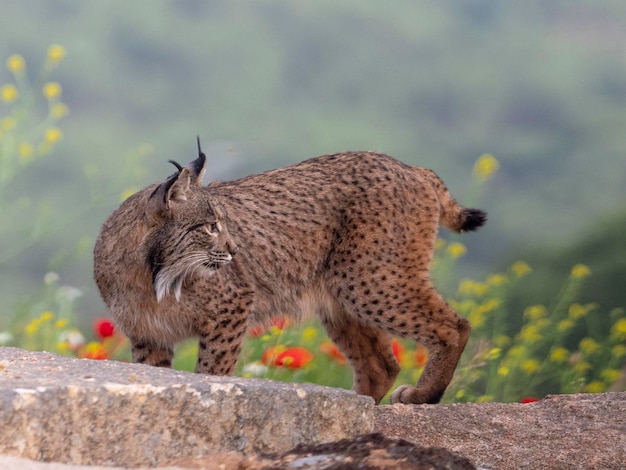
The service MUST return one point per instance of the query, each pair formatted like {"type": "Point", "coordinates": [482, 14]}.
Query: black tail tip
{"type": "Point", "coordinates": [473, 219]}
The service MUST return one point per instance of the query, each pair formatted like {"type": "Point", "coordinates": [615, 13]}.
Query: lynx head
{"type": "Point", "coordinates": [187, 230]}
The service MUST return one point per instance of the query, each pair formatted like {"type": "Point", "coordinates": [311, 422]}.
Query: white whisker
{"type": "Point", "coordinates": [170, 279]}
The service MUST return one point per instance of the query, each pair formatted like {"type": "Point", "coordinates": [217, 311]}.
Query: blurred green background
{"type": "Point", "coordinates": [540, 85]}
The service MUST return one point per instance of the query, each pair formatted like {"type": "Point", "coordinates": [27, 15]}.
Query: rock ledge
{"type": "Point", "coordinates": [85, 412]}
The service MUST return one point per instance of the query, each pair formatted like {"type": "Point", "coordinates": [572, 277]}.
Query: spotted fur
{"type": "Point", "coordinates": [349, 237]}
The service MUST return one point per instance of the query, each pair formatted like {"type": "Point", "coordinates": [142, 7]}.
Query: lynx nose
{"type": "Point", "coordinates": [233, 249]}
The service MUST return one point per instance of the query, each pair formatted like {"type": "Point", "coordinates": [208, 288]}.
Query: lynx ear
{"type": "Point", "coordinates": [178, 189]}
{"type": "Point", "coordinates": [175, 189]}
{"type": "Point", "coordinates": [197, 167]}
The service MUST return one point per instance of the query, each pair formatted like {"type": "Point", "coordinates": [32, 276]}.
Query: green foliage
{"type": "Point", "coordinates": [29, 115]}
{"type": "Point", "coordinates": [543, 352]}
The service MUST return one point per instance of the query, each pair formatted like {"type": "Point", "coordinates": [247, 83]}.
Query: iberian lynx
{"type": "Point", "coordinates": [349, 237]}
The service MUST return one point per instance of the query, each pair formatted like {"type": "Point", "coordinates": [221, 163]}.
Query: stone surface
{"type": "Point", "coordinates": [83, 412]}
{"type": "Point", "coordinates": [109, 413]}
{"type": "Point", "coordinates": [559, 432]}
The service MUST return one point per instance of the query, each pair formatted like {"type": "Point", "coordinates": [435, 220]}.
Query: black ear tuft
{"type": "Point", "coordinates": [197, 167]}
{"type": "Point", "coordinates": [177, 165]}
{"type": "Point", "coordinates": [200, 152]}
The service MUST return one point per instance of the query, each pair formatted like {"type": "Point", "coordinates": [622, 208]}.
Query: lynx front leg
{"type": "Point", "coordinates": [369, 351]}
{"type": "Point", "coordinates": [151, 354]}
{"type": "Point", "coordinates": [219, 345]}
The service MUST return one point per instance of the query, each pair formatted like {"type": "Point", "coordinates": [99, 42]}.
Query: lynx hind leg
{"type": "Point", "coordinates": [445, 334]}
{"type": "Point", "coordinates": [369, 351]}
{"type": "Point", "coordinates": [152, 354]}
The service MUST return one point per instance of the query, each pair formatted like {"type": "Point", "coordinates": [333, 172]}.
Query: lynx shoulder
{"type": "Point", "coordinates": [348, 237]}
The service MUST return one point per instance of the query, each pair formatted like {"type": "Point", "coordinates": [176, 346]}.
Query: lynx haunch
{"type": "Point", "coordinates": [349, 237]}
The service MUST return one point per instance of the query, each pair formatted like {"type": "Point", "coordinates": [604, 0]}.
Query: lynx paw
{"type": "Point", "coordinates": [414, 396]}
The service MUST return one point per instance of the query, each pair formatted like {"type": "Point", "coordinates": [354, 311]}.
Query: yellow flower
{"type": "Point", "coordinates": [619, 350]}
{"type": "Point", "coordinates": [469, 287]}
{"type": "Point", "coordinates": [610, 375]}
{"type": "Point", "coordinates": [486, 166]}
{"type": "Point", "coordinates": [53, 134]}
{"type": "Point", "coordinates": [564, 325]}
{"type": "Point", "coordinates": [463, 307]}
{"type": "Point", "coordinates": [56, 53]}
{"type": "Point", "coordinates": [52, 90]}
{"type": "Point", "coordinates": [60, 324]}
{"type": "Point", "coordinates": [521, 269]}
{"type": "Point", "coordinates": [503, 371]}
{"type": "Point", "coordinates": [309, 333]}
{"type": "Point", "coordinates": [535, 312]}
{"type": "Point", "coordinates": [618, 330]}
{"type": "Point", "coordinates": [530, 366]}
{"type": "Point", "coordinates": [7, 123]}
{"type": "Point", "coordinates": [466, 287]}
{"type": "Point", "coordinates": [456, 250]}
{"type": "Point", "coordinates": [32, 327]}
{"type": "Point", "coordinates": [577, 311]}
{"type": "Point", "coordinates": [274, 330]}
{"type": "Point", "coordinates": [9, 93]}
{"type": "Point", "coordinates": [559, 355]}
{"type": "Point", "coordinates": [59, 110]}
{"type": "Point", "coordinates": [595, 387]}
{"type": "Point", "coordinates": [15, 63]}
{"type": "Point", "coordinates": [128, 193]}
{"type": "Point", "coordinates": [460, 394]}
{"type": "Point", "coordinates": [530, 333]}
{"type": "Point", "coordinates": [502, 341]}
{"type": "Point", "coordinates": [46, 316]}
{"type": "Point", "coordinates": [25, 151]}
{"type": "Point", "coordinates": [479, 313]}
{"type": "Point", "coordinates": [496, 279]}
{"type": "Point", "coordinates": [588, 346]}
{"type": "Point", "coordinates": [493, 354]}
{"type": "Point", "coordinates": [516, 351]}
{"type": "Point", "coordinates": [484, 399]}
{"type": "Point", "coordinates": [580, 271]}
{"type": "Point", "coordinates": [581, 367]}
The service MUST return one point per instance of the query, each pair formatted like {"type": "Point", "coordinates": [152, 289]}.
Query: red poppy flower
{"type": "Point", "coordinates": [93, 350]}
{"type": "Point", "coordinates": [103, 327]}
{"type": "Point", "coordinates": [529, 400]}
{"type": "Point", "coordinates": [398, 349]}
{"type": "Point", "coordinates": [269, 355]}
{"type": "Point", "coordinates": [255, 331]}
{"type": "Point", "coordinates": [420, 356]}
{"type": "Point", "coordinates": [279, 322]}
{"type": "Point", "coordinates": [295, 357]}
{"type": "Point", "coordinates": [330, 349]}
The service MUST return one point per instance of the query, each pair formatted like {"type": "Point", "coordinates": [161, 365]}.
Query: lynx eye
{"type": "Point", "coordinates": [213, 227]}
